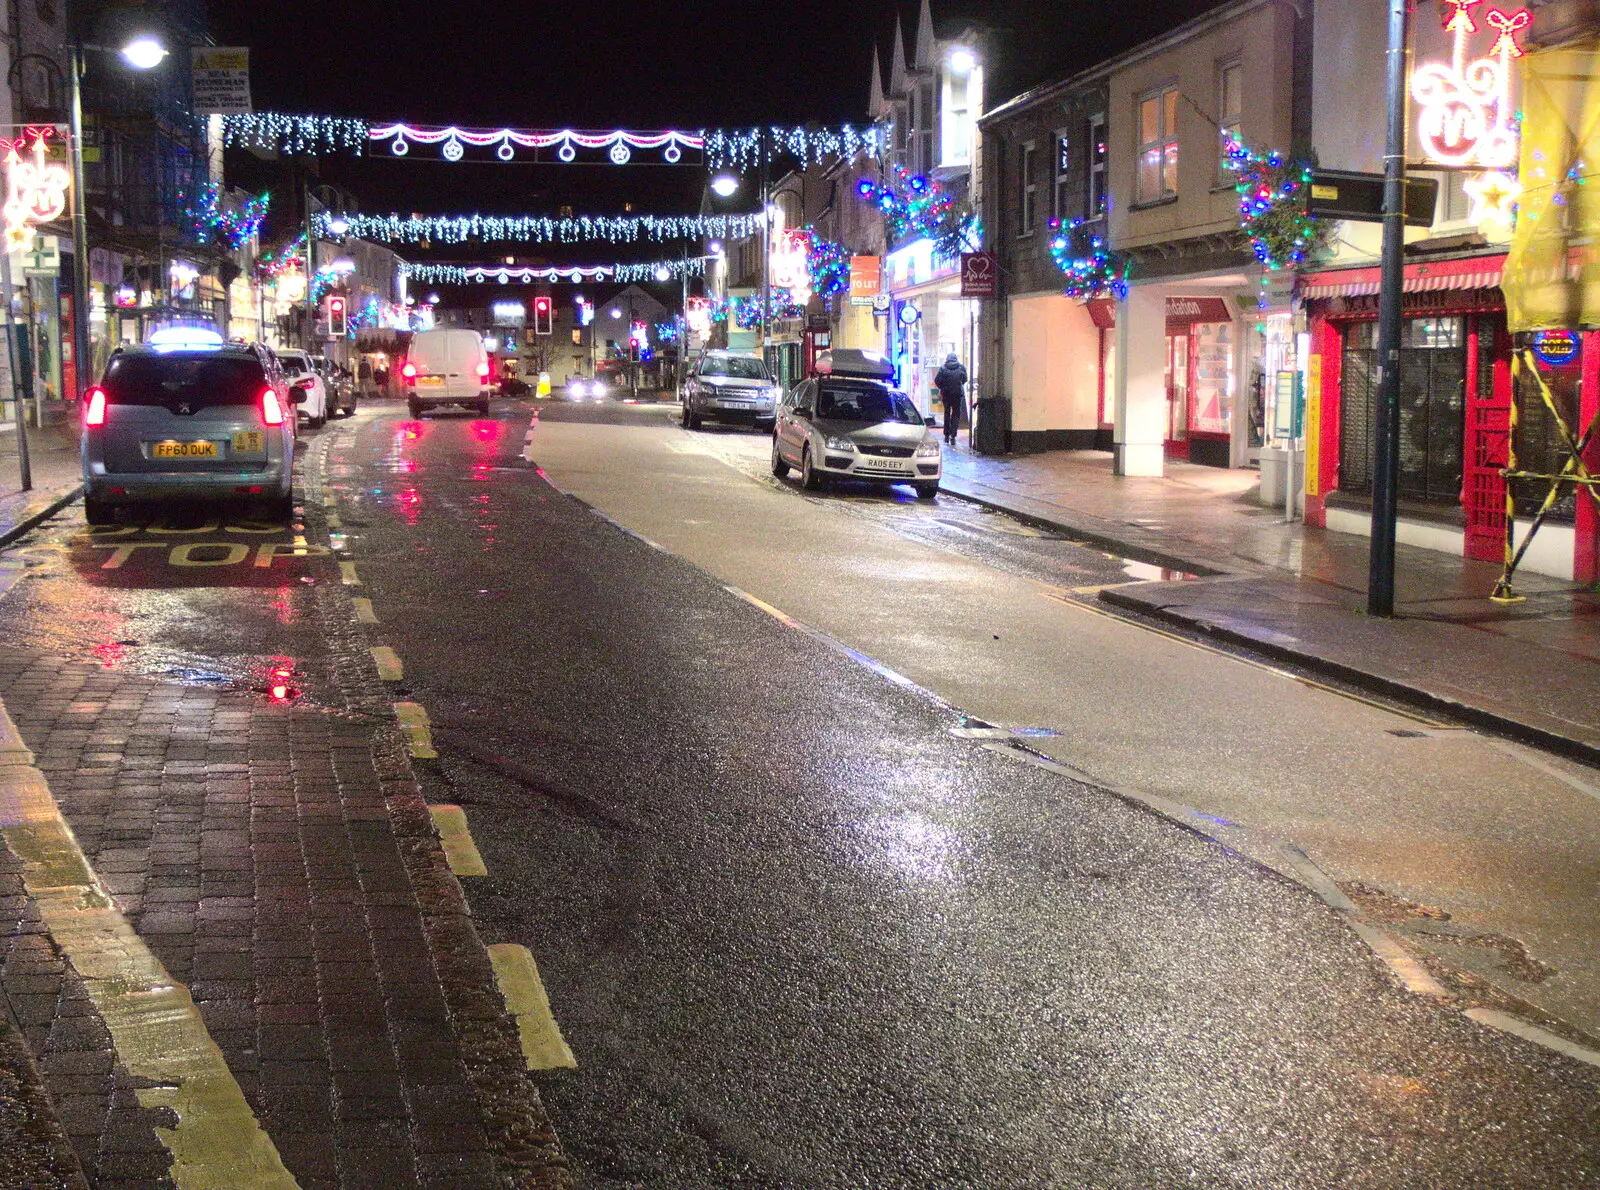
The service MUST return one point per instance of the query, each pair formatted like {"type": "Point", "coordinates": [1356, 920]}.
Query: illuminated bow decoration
{"type": "Point", "coordinates": [1461, 18]}
{"type": "Point", "coordinates": [36, 189]}
{"type": "Point", "coordinates": [1507, 23]}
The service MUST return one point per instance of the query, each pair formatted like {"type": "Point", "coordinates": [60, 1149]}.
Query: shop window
{"type": "Point", "coordinates": [1433, 378]}
{"type": "Point", "coordinates": [1097, 167]}
{"type": "Point", "coordinates": [1230, 101]}
{"type": "Point", "coordinates": [1061, 191]}
{"type": "Point", "coordinates": [1158, 146]}
{"type": "Point", "coordinates": [1211, 402]}
{"type": "Point", "coordinates": [1538, 442]}
{"type": "Point", "coordinates": [1028, 186]}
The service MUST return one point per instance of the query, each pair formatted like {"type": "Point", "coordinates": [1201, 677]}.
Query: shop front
{"type": "Point", "coordinates": [1201, 341]}
{"type": "Point", "coordinates": [928, 321]}
{"type": "Point", "coordinates": [1456, 396]}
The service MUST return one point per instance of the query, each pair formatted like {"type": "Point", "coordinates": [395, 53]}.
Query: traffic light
{"type": "Point", "coordinates": [338, 324]}
{"type": "Point", "coordinates": [541, 316]}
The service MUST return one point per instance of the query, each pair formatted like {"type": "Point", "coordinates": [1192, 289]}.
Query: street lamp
{"type": "Point", "coordinates": [725, 185]}
{"type": "Point", "coordinates": [143, 52]}
{"type": "Point", "coordinates": [962, 61]}
{"type": "Point", "coordinates": [663, 273]}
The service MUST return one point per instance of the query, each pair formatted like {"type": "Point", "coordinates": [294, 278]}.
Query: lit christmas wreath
{"type": "Point", "coordinates": [1096, 272]}
{"type": "Point", "coordinates": [1273, 207]}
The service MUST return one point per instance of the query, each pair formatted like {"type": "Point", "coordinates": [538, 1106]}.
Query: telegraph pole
{"type": "Point", "coordinates": [1386, 428]}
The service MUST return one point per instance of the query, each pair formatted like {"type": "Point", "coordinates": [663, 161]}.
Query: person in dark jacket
{"type": "Point", "coordinates": [951, 381]}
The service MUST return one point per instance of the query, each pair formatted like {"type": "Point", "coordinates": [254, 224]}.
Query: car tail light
{"type": "Point", "coordinates": [271, 407]}
{"type": "Point", "coordinates": [409, 371]}
{"type": "Point", "coordinates": [483, 371]}
{"type": "Point", "coordinates": [94, 413]}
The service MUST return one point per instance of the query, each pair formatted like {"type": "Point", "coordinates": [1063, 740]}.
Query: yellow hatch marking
{"type": "Point", "coordinates": [347, 574]}
{"type": "Point", "coordinates": [217, 1143]}
{"type": "Point", "coordinates": [414, 723]}
{"type": "Point", "coordinates": [460, 852]}
{"type": "Point", "coordinates": [518, 978]}
{"type": "Point", "coordinates": [388, 662]}
{"type": "Point", "coordinates": [364, 612]}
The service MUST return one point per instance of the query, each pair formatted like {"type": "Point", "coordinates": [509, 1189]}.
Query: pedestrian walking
{"type": "Point", "coordinates": [951, 381]}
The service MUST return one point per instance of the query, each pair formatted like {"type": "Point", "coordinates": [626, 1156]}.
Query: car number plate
{"type": "Point", "coordinates": [183, 450]}
{"type": "Point", "coordinates": [429, 381]}
{"type": "Point", "coordinates": [248, 442]}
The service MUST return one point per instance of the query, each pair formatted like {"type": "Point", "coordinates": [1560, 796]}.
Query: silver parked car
{"type": "Point", "coordinates": [850, 422]}
{"type": "Point", "coordinates": [190, 419]}
{"type": "Point", "coordinates": [730, 386]}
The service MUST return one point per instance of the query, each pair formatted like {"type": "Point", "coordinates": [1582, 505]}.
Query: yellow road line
{"type": "Point", "coordinates": [158, 1033]}
{"type": "Point", "coordinates": [364, 612]}
{"type": "Point", "coordinates": [518, 978]}
{"type": "Point", "coordinates": [414, 722]}
{"type": "Point", "coordinates": [347, 574]}
{"type": "Point", "coordinates": [388, 662]}
{"type": "Point", "coordinates": [460, 852]}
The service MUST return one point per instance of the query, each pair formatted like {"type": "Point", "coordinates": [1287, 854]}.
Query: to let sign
{"type": "Point", "coordinates": [222, 80]}
{"type": "Point", "coordinates": [979, 274]}
{"type": "Point", "coordinates": [866, 279]}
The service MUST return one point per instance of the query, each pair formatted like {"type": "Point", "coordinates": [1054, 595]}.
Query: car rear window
{"type": "Point", "coordinates": [199, 380]}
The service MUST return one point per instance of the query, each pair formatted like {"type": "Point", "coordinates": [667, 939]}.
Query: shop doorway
{"type": "Point", "coordinates": [1178, 393]}
{"type": "Point", "coordinates": [1201, 338]}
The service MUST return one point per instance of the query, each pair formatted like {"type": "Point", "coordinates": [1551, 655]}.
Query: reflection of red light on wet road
{"type": "Point", "coordinates": [410, 501]}
{"type": "Point", "coordinates": [111, 653]}
{"type": "Point", "coordinates": [488, 431]}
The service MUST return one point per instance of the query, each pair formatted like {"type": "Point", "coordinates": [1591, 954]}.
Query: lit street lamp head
{"type": "Point", "coordinates": [338, 225]}
{"type": "Point", "coordinates": [724, 185]}
{"type": "Point", "coordinates": [144, 53]}
{"type": "Point", "coordinates": [663, 273]}
{"type": "Point", "coordinates": [962, 61]}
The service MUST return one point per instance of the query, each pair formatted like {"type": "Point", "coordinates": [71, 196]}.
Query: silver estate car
{"type": "Point", "coordinates": [729, 386]}
{"type": "Point", "coordinates": [849, 422]}
{"type": "Point", "coordinates": [190, 419]}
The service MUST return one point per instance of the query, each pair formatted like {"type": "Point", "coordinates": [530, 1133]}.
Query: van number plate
{"type": "Point", "coordinates": [183, 450]}
{"type": "Point", "coordinates": [248, 442]}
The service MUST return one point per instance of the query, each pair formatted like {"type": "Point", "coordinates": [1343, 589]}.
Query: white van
{"type": "Point", "coordinates": [446, 367]}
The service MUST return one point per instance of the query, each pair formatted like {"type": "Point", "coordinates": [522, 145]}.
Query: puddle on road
{"type": "Point", "coordinates": [1148, 572]}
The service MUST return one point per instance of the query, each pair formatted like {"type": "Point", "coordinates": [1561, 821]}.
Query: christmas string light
{"type": "Point", "coordinates": [619, 145]}
{"type": "Point", "coordinates": [291, 258]}
{"type": "Point", "coordinates": [722, 148]}
{"type": "Point", "coordinates": [1273, 209]}
{"type": "Point", "coordinates": [541, 229]}
{"type": "Point", "coordinates": [504, 274]}
{"type": "Point", "coordinates": [829, 265]}
{"type": "Point", "coordinates": [235, 228]}
{"type": "Point", "coordinates": [280, 132]}
{"type": "Point", "coordinates": [1094, 272]}
{"type": "Point", "coordinates": [917, 206]}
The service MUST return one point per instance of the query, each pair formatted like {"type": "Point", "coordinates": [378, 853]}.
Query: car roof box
{"type": "Point", "coordinates": [852, 361]}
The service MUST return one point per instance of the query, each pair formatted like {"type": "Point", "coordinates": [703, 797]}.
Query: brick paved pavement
{"type": "Point", "coordinates": [280, 861]}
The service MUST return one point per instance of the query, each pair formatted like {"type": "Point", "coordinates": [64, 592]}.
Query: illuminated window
{"type": "Point", "coordinates": [1028, 187]}
{"type": "Point", "coordinates": [1097, 167]}
{"type": "Point", "coordinates": [1230, 100]}
{"type": "Point", "coordinates": [1158, 146]}
{"type": "Point", "coordinates": [1060, 192]}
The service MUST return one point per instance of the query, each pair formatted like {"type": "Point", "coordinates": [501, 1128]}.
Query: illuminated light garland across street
{"type": "Point", "coordinates": [504, 274]}
{"type": "Point", "coordinates": [541, 229]}
{"type": "Point", "coordinates": [721, 148]}
{"type": "Point", "coordinates": [619, 146]}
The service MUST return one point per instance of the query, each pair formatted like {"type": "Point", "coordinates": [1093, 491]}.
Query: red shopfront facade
{"type": "Point", "coordinates": [1456, 397]}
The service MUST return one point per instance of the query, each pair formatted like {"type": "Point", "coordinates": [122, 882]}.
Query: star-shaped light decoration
{"type": "Point", "coordinates": [1493, 196]}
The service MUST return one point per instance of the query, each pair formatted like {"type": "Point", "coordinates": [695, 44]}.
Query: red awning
{"type": "Point", "coordinates": [1475, 272]}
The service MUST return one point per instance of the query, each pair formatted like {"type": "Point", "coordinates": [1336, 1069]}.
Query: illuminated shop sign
{"type": "Point", "coordinates": [1466, 118]}
{"type": "Point", "coordinates": [36, 187]}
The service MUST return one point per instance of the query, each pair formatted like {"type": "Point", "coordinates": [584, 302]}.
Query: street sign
{"type": "Point", "coordinates": [1342, 194]}
{"type": "Point", "coordinates": [221, 80]}
{"type": "Point", "coordinates": [980, 274]}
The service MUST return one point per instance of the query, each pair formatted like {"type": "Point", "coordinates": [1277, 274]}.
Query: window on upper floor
{"type": "Point", "coordinates": [955, 143]}
{"type": "Point", "coordinates": [926, 122]}
{"type": "Point", "coordinates": [1158, 146]}
{"type": "Point", "coordinates": [901, 132]}
{"type": "Point", "coordinates": [1230, 102]}
{"type": "Point", "coordinates": [1096, 140]}
{"type": "Point", "coordinates": [1027, 187]}
{"type": "Point", "coordinates": [1061, 191]}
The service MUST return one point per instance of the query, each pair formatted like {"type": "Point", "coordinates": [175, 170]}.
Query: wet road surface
{"type": "Point", "coordinates": [798, 934]}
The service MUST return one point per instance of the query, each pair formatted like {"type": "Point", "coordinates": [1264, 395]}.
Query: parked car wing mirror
{"type": "Point", "coordinates": [929, 422]}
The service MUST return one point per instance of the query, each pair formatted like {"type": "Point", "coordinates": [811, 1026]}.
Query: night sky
{"type": "Point", "coordinates": [606, 64]}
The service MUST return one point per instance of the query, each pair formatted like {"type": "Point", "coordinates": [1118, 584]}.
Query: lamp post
{"type": "Point", "coordinates": [1386, 431]}
{"type": "Point", "coordinates": [141, 53]}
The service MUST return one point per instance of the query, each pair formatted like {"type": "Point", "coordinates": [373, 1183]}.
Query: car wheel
{"type": "Point", "coordinates": [483, 408]}
{"type": "Point", "coordinates": [927, 491]}
{"type": "Point", "coordinates": [691, 420]}
{"type": "Point", "coordinates": [780, 467]}
{"type": "Point", "coordinates": [415, 407]}
{"type": "Point", "coordinates": [98, 512]}
{"type": "Point", "coordinates": [810, 478]}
